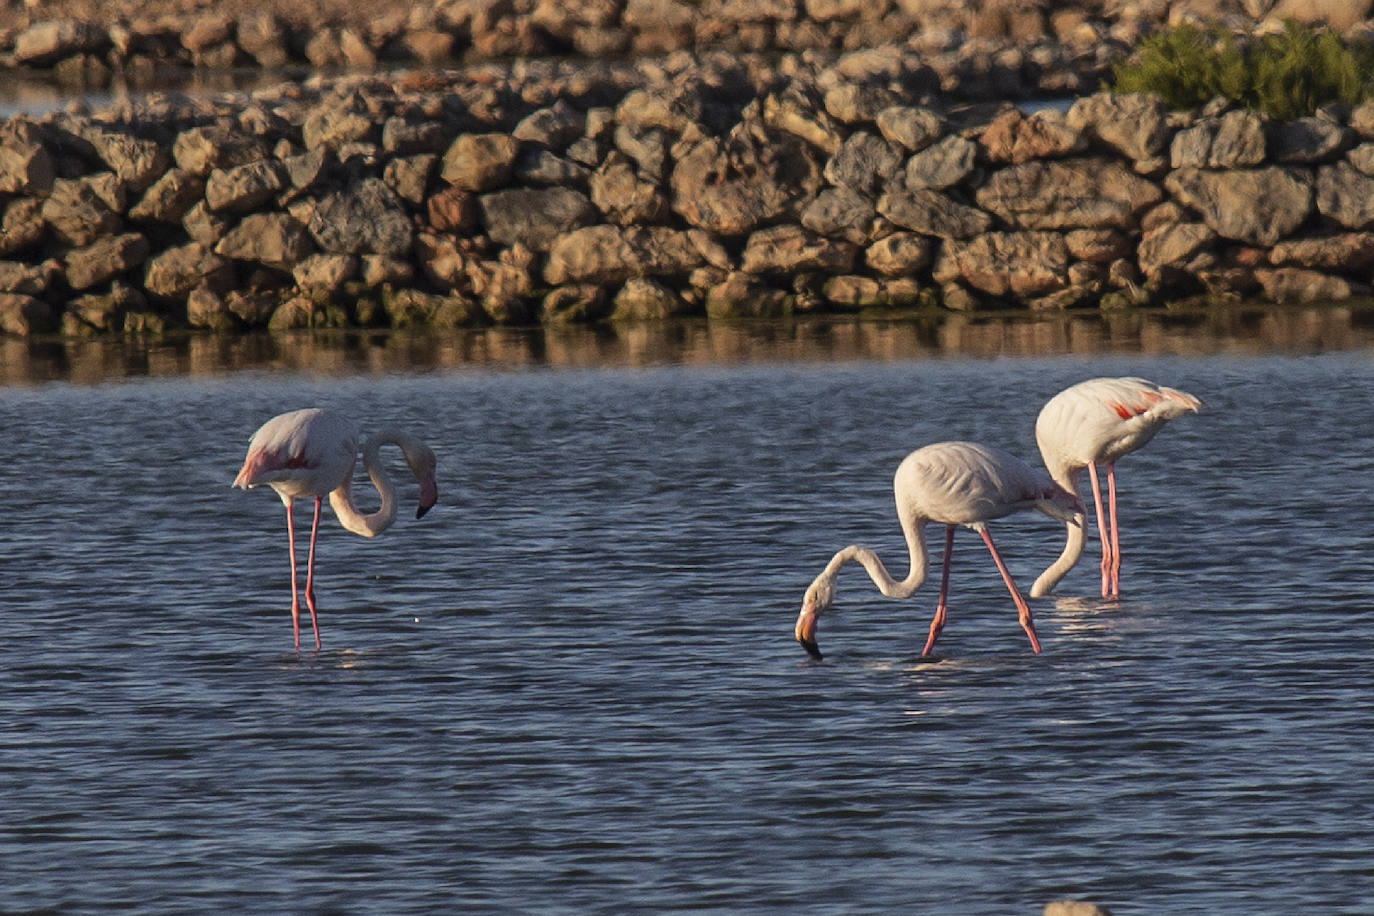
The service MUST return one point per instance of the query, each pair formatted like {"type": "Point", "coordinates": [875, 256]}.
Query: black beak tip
{"type": "Point", "coordinates": [811, 648]}
{"type": "Point", "coordinates": [420, 512]}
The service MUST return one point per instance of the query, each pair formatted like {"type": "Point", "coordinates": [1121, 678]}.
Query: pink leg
{"type": "Point", "coordinates": [1022, 608]}
{"type": "Point", "coordinates": [1102, 530]}
{"type": "Point", "coordinates": [942, 607]}
{"type": "Point", "coordinates": [310, 578]}
{"type": "Point", "coordinates": [1116, 539]}
{"type": "Point", "coordinates": [295, 597]}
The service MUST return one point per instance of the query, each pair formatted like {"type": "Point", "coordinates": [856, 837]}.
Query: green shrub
{"type": "Point", "coordinates": [1286, 75]}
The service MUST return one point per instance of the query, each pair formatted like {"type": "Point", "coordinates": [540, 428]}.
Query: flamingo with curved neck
{"type": "Point", "coordinates": [311, 453]}
{"type": "Point", "coordinates": [954, 484]}
{"type": "Point", "coordinates": [1090, 424]}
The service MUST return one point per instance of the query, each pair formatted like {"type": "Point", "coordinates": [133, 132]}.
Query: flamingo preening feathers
{"type": "Point", "coordinates": [311, 453]}
{"type": "Point", "coordinates": [953, 484]}
{"type": "Point", "coordinates": [1090, 424]}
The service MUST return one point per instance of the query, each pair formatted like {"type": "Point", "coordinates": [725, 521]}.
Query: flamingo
{"type": "Point", "coordinates": [1095, 423]}
{"type": "Point", "coordinates": [311, 453]}
{"type": "Point", "coordinates": [952, 483]}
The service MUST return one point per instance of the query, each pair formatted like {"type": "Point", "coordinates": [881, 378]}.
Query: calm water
{"type": "Point", "coordinates": [573, 686]}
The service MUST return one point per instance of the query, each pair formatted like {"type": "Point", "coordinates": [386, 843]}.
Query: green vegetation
{"type": "Point", "coordinates": [1285, 75]}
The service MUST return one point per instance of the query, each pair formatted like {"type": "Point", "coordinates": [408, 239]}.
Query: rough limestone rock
{"type": "Point", "coordinates": [1258, 206]}
{"type": "Point", "coordinates": [554, 127]}
{"type": "Point", "coordinates": [865, 163]}
{"type": "Point", "coordinates": [78, 213]}
{"type": "Point", "coordinates": [741, 295]}
{"type": "Point", "coordinates": [791, 250]}
{"type": "Point", "coordinates": [609, 255]}
{"type": "Point", "coordinates": [900, 254]}
{"type": "Point", "coordinates": [1234, 140]}
{"type": "Point", "coordinates": [624, 196]}
{"type": "Point", "coordinates": [1350, 251]}
{"type": "Point", "coordinates": [801, 114]}
{"type": "Point", "coordinates": [932, 213]}
{"type": "Point", "coordinates": [914, 128]}
{"type": "Point", "coordinates": [21, 225]}
{"type": "Point", "coordinates": [943, 164]}
{"type": "Point", "coordinates": [1068, 193]}
{"type": "Point", "coordinates": [580, 303]}
{"type": "Point", "coordinates": [1135, 125]}
{"type": "Point", "coordinates": [1173, 245]}
{"type": "Point", "coordinates": [106, 258]}
{"type": "Point", "coordinates": [275, 240]}
{"type": "Point", "coordinates": [176, 271]}
{"type": "Point", "coordinates": [30, 279]}
{"type": "Point", "coordinates": [22, 315]}
{"type": "Point", "coordinates": [324, 272]}
{"type": "Point", "coordinates": [1006, 263]}
{"type": "Point", "coordinates": [1098, 246]}
{"type": "Point", "coordinates": [168, 199]}
{"type": "Point", "coordinates": [1345, 195]}
{"type": "Point", "coordinates": [840, 213]}
{"type": "Point", "coordinates": [1295, 284]}
{"type": "Point", "coordinates": [752, 176]}
{"type": "Point", "coordinates": [480, 162]}
{"type": "Point", "coordinates": [25, 168]}
{"type": "Point", "coordinates": [644, 299]}
{"type": "Point", "coordinates": [138, 163]}
{"type": "Point", "coordinates": [201, 149]}
{"type": "Point", "coordinates": [337, 123]}
{"type": "Point", "coordinates": [1016, 137]}
{"type": "Point", "coordinates": [534, 217]}
{"type": "Point", "coordinates": [46, 42]}
{"type": "Point", "coordinates": [366, 218]}
{"type": "Point", "coordinates": [1306, 140]}
{"type": "Point", "coordinates": [452, 210]}
{"type": "Point", "coordinates": [242, 188]}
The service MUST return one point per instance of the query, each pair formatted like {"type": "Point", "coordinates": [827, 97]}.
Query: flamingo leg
{"type": "Point", "coordinates": [295, 597]}
{"type": "Point", "coordinates": [942, 607]}
{"type": "Point", "coordinates": [310, 579]}
{"type": "Point", "coordinates": [1102, 534]}
{"type": "Point", "coordinates": [1116, 539]}
{"type": "Point", "coordinates": [1023, 609]}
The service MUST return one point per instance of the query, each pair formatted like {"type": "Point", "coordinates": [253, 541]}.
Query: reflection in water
{"type": "Point", "coordinates": [1233, 330]}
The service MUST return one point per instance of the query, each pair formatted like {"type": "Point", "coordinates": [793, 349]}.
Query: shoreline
{"type": "Point", "coordinates": [725, 185]}
{"type": "Point", "coordinates": [1234, 331]}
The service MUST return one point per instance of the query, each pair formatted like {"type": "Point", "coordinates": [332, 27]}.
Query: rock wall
{"type": "Point", "coordinates": [729, 186]}
{"type": "Point", "coordinates": [92, 44]}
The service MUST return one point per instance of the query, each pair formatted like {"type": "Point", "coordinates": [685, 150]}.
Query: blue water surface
{"type": "Point", "coordinates": [572, 687]}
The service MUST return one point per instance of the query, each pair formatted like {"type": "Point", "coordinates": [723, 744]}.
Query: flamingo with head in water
{"type": "Point", "coordinates": [953, 484]}
{"type": "Point", "coordinates": [311, 453]}
{"type": "Point", "coordinates": [1090, 424]}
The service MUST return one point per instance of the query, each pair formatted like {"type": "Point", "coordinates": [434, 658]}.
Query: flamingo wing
{"type": "Point", "coordinates": [1101, 419]}
{"type": "Point", "coordinates": [964, 483]}
{"type": "Point", "coordinates": [303, 452]}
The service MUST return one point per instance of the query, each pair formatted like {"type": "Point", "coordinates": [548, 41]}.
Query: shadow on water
{"type": "Point", "coordinates": [1235, 330]}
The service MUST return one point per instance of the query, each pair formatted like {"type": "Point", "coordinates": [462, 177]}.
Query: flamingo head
{"type": "Point", "coordinates": [422, 463]}
{"type": "Point", "coordinates": [818, 597]}
{"type": "Point", "coordinates": [1057, 502]}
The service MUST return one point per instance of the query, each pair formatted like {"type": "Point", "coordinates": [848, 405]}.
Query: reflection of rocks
{"type": "Point", "coordinates": [1294, 329]}
{"type": "Point", "coordinates": [686, 186]}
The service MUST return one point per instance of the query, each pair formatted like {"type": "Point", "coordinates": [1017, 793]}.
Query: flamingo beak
{"type": "Point", "coordinates": [806, 630]}
{"type": "Point", "coordinates": [429, 495]}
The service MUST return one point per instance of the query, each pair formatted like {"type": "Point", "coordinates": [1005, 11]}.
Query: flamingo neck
{"type": "Point", "coordinates": [914, 530]}
{"type": "Point", "coordinates": [350, 516]}
{"type": "Point", "coordinates": [1073, 549]}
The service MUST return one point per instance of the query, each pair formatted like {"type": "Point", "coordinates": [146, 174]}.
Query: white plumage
{"type": "Point", "coordinates": [311, 453]}
{"type": "Point", "coordinates": [953, 484]}
{"type": "Point", "coordinates": [1094, 423]}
